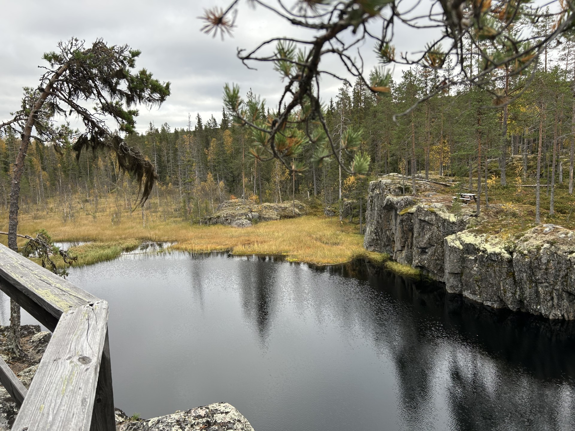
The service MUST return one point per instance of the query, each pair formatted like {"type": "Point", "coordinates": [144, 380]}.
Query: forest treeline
{"type": "Point", "coordinates": [528, 118]}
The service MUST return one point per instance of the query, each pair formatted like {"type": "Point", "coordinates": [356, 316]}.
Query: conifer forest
{"type": "Point", "coordinates": [461, 133]}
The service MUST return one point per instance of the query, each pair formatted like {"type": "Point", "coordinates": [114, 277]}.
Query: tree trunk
{"type": "Point", "coordinates": [486, 174]}
{"type": "Point", "coordinates": [260, 182]}
{"type": "Point", "coordinates": [387, 159]}
{"type": "Point", "coordinates": [503, 155]}
{"type": "Point", "coordinates": [243, 169]}
{"type": "Point", "coordinates": [553, 164]}
{"type": "Point", "coordinates": [314, 181]}
{"type": "Point", "coordinates": [360, 216]}
{"type": "Point", "coordinates": [428, 144]}
{"type": "Point", "coordinates": [441, 148]}
{"type": "Point", "coordinates": [470, 164]}
{"type": "Point", "coordinates": [293, 189]}
{"type": "Point", "coordinates": [572, 149]}
{"type": "Point", "coordinates": [548, 170]}
{"type": "Point", "coordinates": [538, 183]}
{"type": "Point", "coordinates": [478, 165]}
{"type": "Point", "coordinates": [14, 335]}
{"type": "Point", "coordinates": [525, 157]}
{"type": "Point", "coordinates": [413, 168]}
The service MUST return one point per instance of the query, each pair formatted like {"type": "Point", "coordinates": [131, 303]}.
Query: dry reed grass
{"type": "Point", "coordinates": [311, 239]}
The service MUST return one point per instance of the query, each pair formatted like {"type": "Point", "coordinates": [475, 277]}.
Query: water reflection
{"type": "Point", "coordinates": [500, 370]}
{"type": "Point", "coordinates": [257, 291]}
{"type": "Point", "coordinates": [296, 347]}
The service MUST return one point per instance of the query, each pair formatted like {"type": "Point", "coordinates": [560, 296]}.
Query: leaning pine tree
{"type": "Point", "coordinates": [77, 75]}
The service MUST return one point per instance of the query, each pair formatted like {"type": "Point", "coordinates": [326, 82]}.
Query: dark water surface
{"type": "Point", "coordinates": [295, 348]}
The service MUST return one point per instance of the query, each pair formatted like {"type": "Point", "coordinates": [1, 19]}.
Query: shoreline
{"type": "Point", "coordinates": [312, 239]}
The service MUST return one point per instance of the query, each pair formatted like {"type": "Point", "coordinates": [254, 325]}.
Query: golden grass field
{"type": "Point", "coordinates": [112, 228]}
{"type": "Point", "coordinates": [312, 239]}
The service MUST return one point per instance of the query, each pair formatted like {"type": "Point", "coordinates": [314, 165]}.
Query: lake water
{"type": "Point", "coordinates": [296, 348]}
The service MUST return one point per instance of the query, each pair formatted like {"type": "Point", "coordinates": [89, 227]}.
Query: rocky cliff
{"type": "Point", "coordinates": [410, 232]}
{"type": "Point", "coordinates": [533, 273]}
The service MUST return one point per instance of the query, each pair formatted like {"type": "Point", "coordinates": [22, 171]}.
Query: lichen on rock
{"type": "Point", "coordinates": [243, 213]}
{"type": "Point", "coordinates": [213, 417]}
{"type": "Point", "coordinates": [536, 274]}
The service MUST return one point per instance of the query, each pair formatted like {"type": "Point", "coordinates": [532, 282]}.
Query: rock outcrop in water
{"type": "Point", "coordinates": [534, 273]}
{"type": "Point", "coordinates": [243, 213]}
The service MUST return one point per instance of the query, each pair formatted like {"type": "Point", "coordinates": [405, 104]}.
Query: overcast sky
{"type": "Point", "coordinates": [173, 49]}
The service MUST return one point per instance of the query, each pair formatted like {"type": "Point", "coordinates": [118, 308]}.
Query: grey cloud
{"type": "Point", "coordinates": [173, 48]}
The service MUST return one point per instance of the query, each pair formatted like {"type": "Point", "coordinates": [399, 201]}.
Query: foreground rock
{"type": "Point", "coordinates": [214, 417]}
{"type": "Point", "coordinates": [243, 213]}
{"type": "Point", "coordinates": [534, 273]}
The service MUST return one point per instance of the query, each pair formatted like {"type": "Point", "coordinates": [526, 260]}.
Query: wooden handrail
{"type": "Point", "coordinates": [72, 388]}
{"type": "Point", "coordinates": [13, 386]}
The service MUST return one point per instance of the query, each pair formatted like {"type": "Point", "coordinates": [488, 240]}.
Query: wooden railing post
{"type": "Point", "coordinates": [13, 386]}
{"type": "Point", "coordinates": [72, 388]}
{"type": "Point", "coordinates": [103, 418]}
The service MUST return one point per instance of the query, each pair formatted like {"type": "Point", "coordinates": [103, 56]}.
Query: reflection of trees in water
{"type": "Point", "coordinates": [484, 385]}
{"type": "Point", "coordinates": [484, 395]}
{"type": "Point", "coordinates": [447, 353]}
{"type": "Point", "coordinates": [413, 367]}
{"type": "Point", "coordinates": [361, 311]}
{"type": "Point", "coordinates": [414, 358]}
{"type": "Point", "coordinates": [197, 277]}
{"type": "Point", "coordinates": [494, 367]}
{"type": "Point", "coordinates": [257, 291]}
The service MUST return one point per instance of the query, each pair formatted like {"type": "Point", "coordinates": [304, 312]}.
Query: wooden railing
{"type": "Point", "coordinates": [72, 389]}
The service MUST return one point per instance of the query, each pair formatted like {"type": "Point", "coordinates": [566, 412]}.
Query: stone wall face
{"type": "Point", "coordinates": [431, 224]}
{"type": "Point", "coordinates": [479, 269]}
{"type": "Point", "coordinates": [534, 274]}
{"type": "Point", "coordinates": [383, 214]}
{"type": "Point", "coordinates": [411, 233]}
{"type": "Point", "coordinates": [544, 262]}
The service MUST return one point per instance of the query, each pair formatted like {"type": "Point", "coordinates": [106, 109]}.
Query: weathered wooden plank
{"type": "Point", "coordinates": [103, 418]}
{"type": "Point", "coordinates": [36, 311]}
{"type": "Point", "coordinates": [11, 383]}
{"type": "Point", "coordinates": [46, 290]}
{"type": "Point", "coordinates": [62, 394]}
